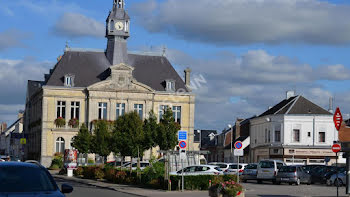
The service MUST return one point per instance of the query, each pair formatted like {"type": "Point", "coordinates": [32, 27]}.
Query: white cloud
{"type": "Point", "coordinates": [229, 22]}
{"type": "Point", "coordinates": [12, 38]}
{"type": "Point", "coordinates": [78, 25]}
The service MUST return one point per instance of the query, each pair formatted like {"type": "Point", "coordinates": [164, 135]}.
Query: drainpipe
{"type": "Point", "coordinates": [313, 132]}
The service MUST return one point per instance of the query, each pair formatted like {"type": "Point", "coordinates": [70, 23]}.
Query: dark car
{"type": "Point", "coordinates": [28, 179]}
{"type": "Point", "coordinates": [293, 175]}
{"type": "Point", "coordinates": [319, 174]}
{"type": "Point", "coordinates": [308, 168]}
{"type": "Point", "coordinates": [250, 172]}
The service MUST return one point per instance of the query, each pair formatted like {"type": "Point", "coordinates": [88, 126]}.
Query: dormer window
{"type": "Point", "coordinates": [69, 80]}
{"type": "Point", "coordinates": [170, 85]}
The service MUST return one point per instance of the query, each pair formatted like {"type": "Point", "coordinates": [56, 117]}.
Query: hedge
{"type": "Point", "coordinates": [197, 182]}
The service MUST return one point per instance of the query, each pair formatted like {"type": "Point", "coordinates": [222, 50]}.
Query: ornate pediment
{"type": "Point", "coordinates": [121, 79]}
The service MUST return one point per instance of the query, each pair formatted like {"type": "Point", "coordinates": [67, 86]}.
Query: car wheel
{"type": "Point", "coordinates": [298, 182]}
{"type": "Point", "coordinates": [278, 183]}
{"type": "Point", "coordinates": [338, 182]}
{"type": "Point", "coordinates": [290, 183]}
{"type": "Point", "coordinates": [274, 182]}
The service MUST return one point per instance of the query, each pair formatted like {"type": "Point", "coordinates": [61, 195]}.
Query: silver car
{"type": "Point", "coordinates": [250, 172]}
{"type": "Point", "coordinates": [293, 174]}
{"type": "Point", "coordinates": [340, 181]}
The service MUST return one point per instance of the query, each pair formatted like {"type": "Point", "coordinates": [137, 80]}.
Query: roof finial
{"type": "Point", "coordinates": [67, 46]}
{"type": "Point", "coordinates": [164, 51]}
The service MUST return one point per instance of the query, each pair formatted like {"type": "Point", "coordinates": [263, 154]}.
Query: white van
{"type": "Point", "coordinates": [268, 169]}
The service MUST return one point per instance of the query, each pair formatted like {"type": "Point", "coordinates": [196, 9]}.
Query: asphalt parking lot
{"type": "Point", "coordinates": [267, 189]}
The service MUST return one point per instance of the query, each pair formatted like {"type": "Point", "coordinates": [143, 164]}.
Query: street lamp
{"type": "Point", "coordinates": [231, 127]}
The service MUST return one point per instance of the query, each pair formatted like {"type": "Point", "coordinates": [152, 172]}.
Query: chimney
{"type": "Point", "coordinates": [290, 94]}
{"type": "Point", "coordinates": [238, 128]}
{"type": "Point", "coordinates": [330, 109]}
{"type": "Point", "coordinates": [188, 77]}
{"type": "Point", "coordinates": [3, 127]}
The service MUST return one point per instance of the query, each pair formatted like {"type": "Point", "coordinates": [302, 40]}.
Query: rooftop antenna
{"type": "Point", "coordinates": [67, 46]}
{"type": "Point", "coordinates": [164, 51]}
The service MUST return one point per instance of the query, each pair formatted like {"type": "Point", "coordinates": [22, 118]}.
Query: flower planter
{"type": "Point", "coordinates": [217, 194]}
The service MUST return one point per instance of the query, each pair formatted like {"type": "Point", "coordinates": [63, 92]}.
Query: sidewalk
{"type": "Point", "coordinates": [132, 189]}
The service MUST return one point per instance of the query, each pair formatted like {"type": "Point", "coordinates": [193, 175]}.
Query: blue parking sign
{"type": "Point", "coordinates": [182, 135]}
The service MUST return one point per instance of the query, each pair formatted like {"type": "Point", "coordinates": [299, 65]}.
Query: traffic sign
{"type": "Point", "coordinates": [182, 135]}
{"type": "Point", "coordinates": [336, 148]}
{"type": "Point", "coordinates": [238, 145]}
{"type": "Point", "coordinates": [182, 144]}
{"type": "Point", "coordinates": [337, 118]}
{"type": "Point", "coordinates": [238, 152]}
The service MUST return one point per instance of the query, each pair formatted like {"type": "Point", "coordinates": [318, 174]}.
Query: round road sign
{"type": "Point", "coordinates": [238, 145]}
{"type": "Point", "coordinates": [336, 148]}
{"type": "Point", "coordinates": [182, 144]}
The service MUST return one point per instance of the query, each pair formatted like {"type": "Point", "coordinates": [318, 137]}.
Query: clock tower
{"type": "Point", "coordinates": [117, 32]}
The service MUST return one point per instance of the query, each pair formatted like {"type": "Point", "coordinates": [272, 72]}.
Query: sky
{"type": "Point", "coordinates": [244, 54]}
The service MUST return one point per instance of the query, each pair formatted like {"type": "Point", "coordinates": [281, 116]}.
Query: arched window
{"type": "Point", "coordinates": [60, 145]}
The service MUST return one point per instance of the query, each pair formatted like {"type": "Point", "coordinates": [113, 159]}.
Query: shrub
{"type": "Point", "coordinates": [91, 161]}
{"type": "Point", "coordinates": [79, 171]}
{"type": "Point", "coordinates": [54, 167]}
{"type": "Point", "coordinates": [63, 171]}
{"type": "Point", "coordinates": [98, 173]}
{"type": "Point", "coordinates": [88, 172]}
{"type": "Point", "coordinates": [199, 182]}
{"type": "Point", "coordinates": [228, 188]}
{"type": "Point", "coordinates": [120, 177]}
{"type": "Point", "coordinates": [74, 123]}
{"type": "Point", "coordinates": [60, 122]}
{"type": "Point", "coordinates": [110, 174]}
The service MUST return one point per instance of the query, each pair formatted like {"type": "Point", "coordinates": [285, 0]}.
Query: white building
{"type": "Point", "coordinates": [295, 131]}
{"type": "Point", "coordinates": [10, 139]}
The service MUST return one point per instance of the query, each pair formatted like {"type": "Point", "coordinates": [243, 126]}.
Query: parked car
{"type": "Point", "coordinates": [222, 166]}
{"type": "Point", "coordinates": [232, 169]}
{"type": "Point", "coordinates": [267, 170]}
{"type": "Point", "coordinates": [293, 175]}
{"type": "Point", "coordinates": [28, 179]}
{"type": "Point", "coordinates": [114, 163]}
{"type": "Point", "coordinates": [249, 173]}
{"type": "Point", "coordinates": [308, 168]}
{"type": "Point", "coordinates": [143, 165]}
{"type": "Point", "coordinates": [319, 174]}
{"type": "Point", "coordinates": [340, 180]}
{"type": "Point", "coordinates": [199, 170]}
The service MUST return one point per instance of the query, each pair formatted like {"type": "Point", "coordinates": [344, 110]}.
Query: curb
{"type": "Point", "coordinates": [77, 180]}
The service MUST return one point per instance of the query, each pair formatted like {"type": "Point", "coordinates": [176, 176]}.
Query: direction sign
{"type": "Point", "coordinates": [238, 145]}
{"type": "Point", "coordinates": [238, 152]}
{"type": "Point", "coordinates": [182, 135]}
{"type": "Point", "coordinates": [336, 148]}
{"type": "Point", "coordinates": [337, 119]}
{"type": "Point", "coordinates": [182, 144]}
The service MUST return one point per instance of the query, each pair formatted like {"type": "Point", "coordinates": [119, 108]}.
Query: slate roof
{"type": "Point", "coordinates": [33, 86]}
{"type": "Point", "coordinates": [296, 105]}
{"type": "Point", "coordinates": [92, 67]}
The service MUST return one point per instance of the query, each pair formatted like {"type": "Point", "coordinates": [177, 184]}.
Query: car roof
{"type": "Point", "coordinates": [272, 160]}
{"type": "Point", "coordinates": [19, 164]}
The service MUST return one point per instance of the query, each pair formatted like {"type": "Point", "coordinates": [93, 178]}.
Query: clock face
{"type": "Point", "coordinates": [119, 26]}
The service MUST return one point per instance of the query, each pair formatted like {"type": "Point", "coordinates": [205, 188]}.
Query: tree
{"type": "Point", "coordinates": [167, 131]}
{"type": "Point", "coordinates": [101, 139]}
{"type": "Point", "coordinates": [128, 137]}
{"type": "Point", "coordinates": [82, 141]}
{"type": "Point", "coordinates": [150, 131]}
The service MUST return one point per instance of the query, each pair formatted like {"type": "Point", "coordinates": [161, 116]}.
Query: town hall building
{"type": "Point", "coordinates": [88, 85]}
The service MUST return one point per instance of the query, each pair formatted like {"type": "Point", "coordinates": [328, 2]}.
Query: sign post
{"type": "Point", "coordinates": [336, 148]}
{"type": "Point", "coordinates": [338, 120]}
{"type": "Point", "coordinates": [238, 152]}
{"type": "Point", "coordinates": [182, 152]}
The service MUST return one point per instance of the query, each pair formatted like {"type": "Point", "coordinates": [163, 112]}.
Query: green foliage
{"type": "Point", "coordinates": [79, 171]}
{"type": "Point", "coordinates": [167, 131]}
{"type": "Point", "coordinates": [60, 122]}
{"type": "Point", "coordinates": [199, 182]}
{"type": "Point", "coordinates": [150, 131]}
{"type": "Point", "coordinates": [101, 139]}
{"type": "Point", "coordinates": [54, 167]}
{"type": "Point", "coordinates": [153, 172]}
{"type": "Point", "coordinates": [89, 172]}
{"type": "Point", "coordinates": [226, 187]}
{"type": "Point", "coordinates": [74, 123]}
{"type": "Point", "coordinates": [128, 137]}
{"type": "Point", "coordinates": [98, 173]}
{"type": "Point", "coordinates": [82, 141]}
{"type": "Point", "coordinates": [57, 161]}
{"type": "Point", "coordinates": [63, 171]}
{"type": "Point", "coordinates": [91, 161]}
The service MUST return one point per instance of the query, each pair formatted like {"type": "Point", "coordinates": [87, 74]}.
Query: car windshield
{"type": "Point", "coordinates": [251, 166]}
{"type": "Point", "coordinates": [222, 165]}
{"type": "Point", "coordinates": [287, 169]}
{"type": "Point", "coordinates": [267, 164]}
{"type": "Point", "coordinates": [234, 166]}
{"type": "Point", "coordinates": [25, 179]}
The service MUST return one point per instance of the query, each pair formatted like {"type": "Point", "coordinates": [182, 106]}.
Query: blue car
{"type": "Point", "coordinates": [28, 179]}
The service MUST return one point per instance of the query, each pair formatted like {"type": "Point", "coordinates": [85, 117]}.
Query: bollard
{"type": "Point", "coordinates": [179, 185]}
{"type": "Point", "coordinates": [209, 183]}
{"type": "Point", "coordinates": [169, 185]}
